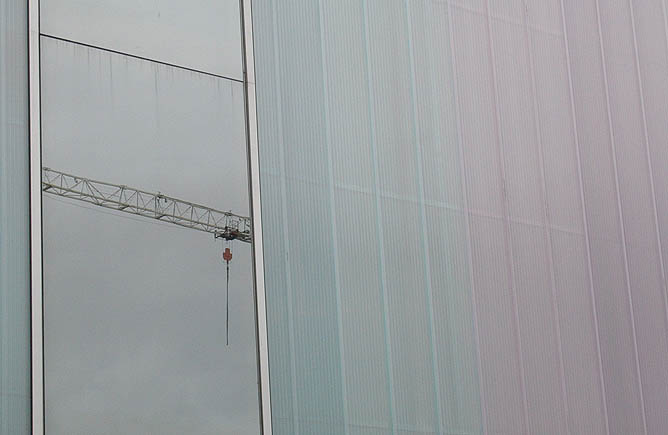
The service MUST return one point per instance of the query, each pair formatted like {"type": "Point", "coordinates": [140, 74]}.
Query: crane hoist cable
{"type": "Point", "coordinates": [227, 256]}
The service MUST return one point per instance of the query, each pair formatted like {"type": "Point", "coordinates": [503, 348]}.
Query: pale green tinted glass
{"type": "Point", "coordinates": [198, 34]}
{"type": "Point", "coordinates": [464, 217]}
{"type": "Point", "coordinates": [135, 308]}
{"type": "Point", "coordinates": [14, 221]}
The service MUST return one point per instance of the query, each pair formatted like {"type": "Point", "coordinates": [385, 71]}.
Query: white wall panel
{"type": "Point", "coordinates": [496, 170]}
{"type": "Point", "coordinates": [14, 221]}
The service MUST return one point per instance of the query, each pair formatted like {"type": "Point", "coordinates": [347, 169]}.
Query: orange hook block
{"type": "Point", "coordinates": [227, 255]}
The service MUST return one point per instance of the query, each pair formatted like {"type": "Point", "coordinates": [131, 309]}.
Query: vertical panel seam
{"type": "Point", "coordinates": [423, 220]}
{"type": "Point", "coordinates": [546, 217]}
{"type": "Point", "coordinates": [508, 230]}
{"type": "Point", "coordinates": [649, 165]}
{"type": "Point", "coordinates": [665, 21]}
{"type": "Point", "coordinates": [284, 212]}
{"type": "Point", "coordinates": [621, 216]}
{"type": "Point", "coordinates": [584, 220]}
{"type": "Point", "coordinates": [379, 221]}
{"type": "Point", "coordinates": [4, 322]}
{"type": "Point", "coordinates": [467, 219]}
{"type": "Point", "coordinates": [332, 205]}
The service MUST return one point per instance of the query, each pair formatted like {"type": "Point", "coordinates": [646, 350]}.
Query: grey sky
{"type": "Point", "coordinates": [135, 309]}
{"type": "Point", "coordinates": [200, 34]}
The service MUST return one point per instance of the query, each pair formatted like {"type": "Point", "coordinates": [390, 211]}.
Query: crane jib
{"type": "Point", "coordinates": [119, 197]}
{"type": "Point", "coordinates": [223, 225]}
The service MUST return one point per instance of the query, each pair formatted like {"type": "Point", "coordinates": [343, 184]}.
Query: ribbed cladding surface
{"type": "Point", "coordinates": [14, 221]}
{"type": "Point", "coordinates": [496, 250]}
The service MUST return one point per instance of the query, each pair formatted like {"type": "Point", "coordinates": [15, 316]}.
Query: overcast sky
{"type": "Point", "coordinates": [135, 309]}
{"type": "Point", "coordinates": [200, 34]}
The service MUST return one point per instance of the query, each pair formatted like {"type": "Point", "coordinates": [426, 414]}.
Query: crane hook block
{"type": "Point", "coordinates": [227, 255]}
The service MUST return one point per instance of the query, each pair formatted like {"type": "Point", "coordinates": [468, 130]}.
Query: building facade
{"type": "Point", "coordinates": [465, 224]}
{"type": "Point", "coordinates": [460, 224]}
{"type": "Point", "coordinates": [14, 220]}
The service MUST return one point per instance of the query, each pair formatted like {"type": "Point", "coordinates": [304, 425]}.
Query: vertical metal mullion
{"type": "Point", "coordinates": [257, 249]}
{"type": "Point", "coordinates": [36, 273]}
{"type": "Point", "coordinates": [506, 214]}
{"type": "Point", "coordinates": [621, 216]}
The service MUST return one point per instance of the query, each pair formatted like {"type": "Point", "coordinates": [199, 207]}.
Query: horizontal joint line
{"type": "Point", "coordinates": [146, 59]}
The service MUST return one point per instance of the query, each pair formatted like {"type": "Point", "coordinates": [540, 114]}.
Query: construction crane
{"type": "Point", "coordinates": [222, 224]}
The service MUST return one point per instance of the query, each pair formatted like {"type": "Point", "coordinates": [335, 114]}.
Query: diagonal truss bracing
{"type": "Point", "coordinates": [221, 224]}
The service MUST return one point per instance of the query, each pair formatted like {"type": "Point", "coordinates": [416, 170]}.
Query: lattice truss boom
{"type": "Point", "coordinates": [221, 224]}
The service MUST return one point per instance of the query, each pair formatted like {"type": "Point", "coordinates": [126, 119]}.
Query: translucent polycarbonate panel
{"type": "Point", "coordinates": [629, 139]}
{"type": "Point", "coordinates": [135, 309]}
{"type": "Point", "coordinates": [476, 188]}
{"type": "Point", "coordinates": [14, 221]}
{"type": "Point", "coordinates": [200, 34]}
